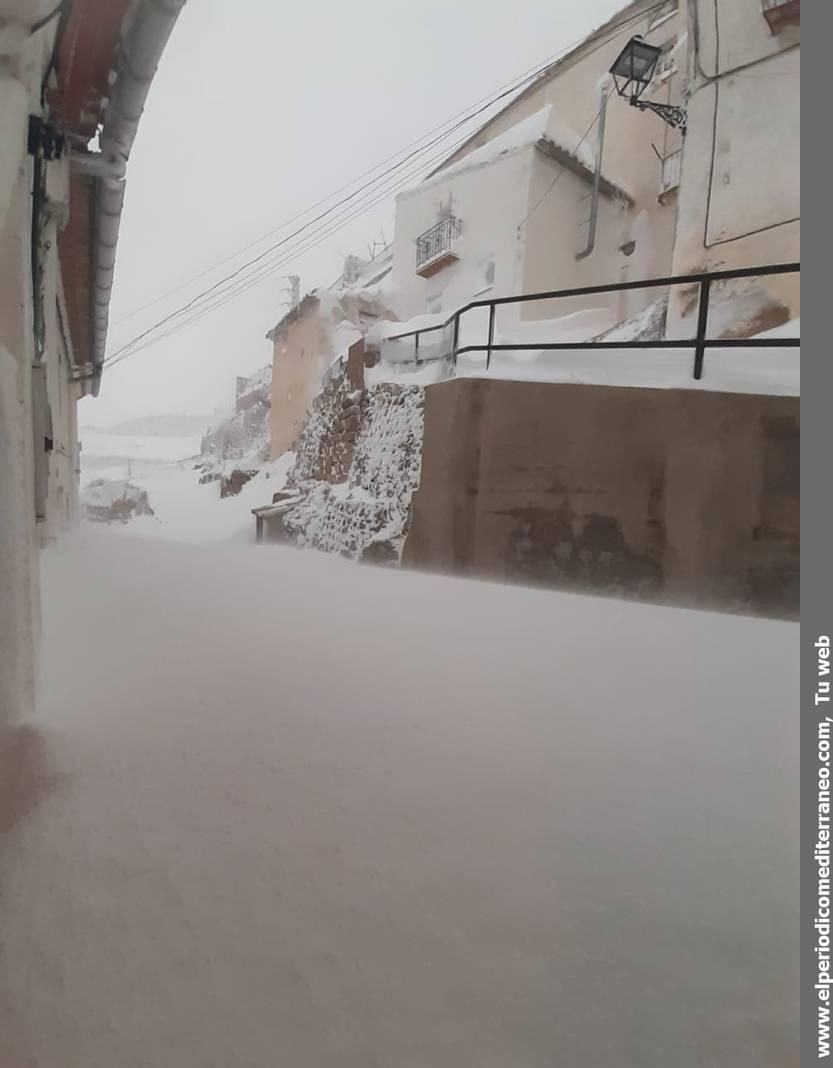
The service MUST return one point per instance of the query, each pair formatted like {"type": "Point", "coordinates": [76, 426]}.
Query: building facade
{"type": "Point", "coordinates": [739, 199]}
{"type": "Point", "coordinates": [569, 186]}
{"type": "Point", "coordinates": [521, 190]}
{"type": "Point", "coordinates": [316, 334]}
{"type": "Point", "coordinates": [67, 73]}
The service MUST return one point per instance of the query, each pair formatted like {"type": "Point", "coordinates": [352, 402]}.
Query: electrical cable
{"type": "Point", "coordinates": [39, 25]}
{"type": "Point", "coordinates": [416, 153]}
{"type": "Point", "coordinates": [552, 185]}
{"type": "Point", "coordinates": [520, 83]}
{"type": "Point", "coordinates": [260, 274]}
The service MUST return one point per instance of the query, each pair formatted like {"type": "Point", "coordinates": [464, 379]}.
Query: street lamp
{"type": "Point", "coordinates": [632, 70]}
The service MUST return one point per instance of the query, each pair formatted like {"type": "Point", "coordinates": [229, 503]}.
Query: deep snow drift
{"type": "Point", "coordinates": [188, 511]}
{"type": "Point", "coordinates": [310, 814]}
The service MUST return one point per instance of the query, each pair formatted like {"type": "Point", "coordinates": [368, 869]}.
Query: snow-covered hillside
{"type": "Point", "coordinates": [165, 456]}
{"type": "Point", "coordinates": [187, 510]}
{"type": "Point", "coordinates": [138, 446]}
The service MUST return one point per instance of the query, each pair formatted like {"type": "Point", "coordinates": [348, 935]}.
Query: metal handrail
{"type": "Point", "coordinates": [699, 342]}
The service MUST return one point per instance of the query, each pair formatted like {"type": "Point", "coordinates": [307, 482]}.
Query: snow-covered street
{"type": "Point", "coordinates": [287, 810]}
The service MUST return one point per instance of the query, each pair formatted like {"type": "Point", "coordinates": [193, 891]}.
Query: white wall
{"type": "Point", "coordinates": [490, 200]}
{"type": "Point", "coordinates": [62, 509]}
{"type": "Point", "coordinates": [23, 59]}
{"type": "Point", "coordinates": [629, 159]}
{"type": "Point", "coordinates": [535, 223]}
{"type": "Point", "coordinates": [18, 542]}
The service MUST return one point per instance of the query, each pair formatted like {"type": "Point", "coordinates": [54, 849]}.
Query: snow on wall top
{"type": "Point", "coordinates": [104, 493]}
{"type": "Point", "coordinates": [523, 134]}
{"type": "Point", "coordinates": [576, 145]}
{"type": "Point", "coordinates": [542, 126]}
{"type": "Point", "coordinates": [258, 380]}
{"type": "Point", "coordinates": [371, 274]}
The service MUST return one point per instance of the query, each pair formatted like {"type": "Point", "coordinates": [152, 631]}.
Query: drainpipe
{"type": "Point", "coordinates": [145, 35]}
{"type": "Point", "coordinates": [597, 176]}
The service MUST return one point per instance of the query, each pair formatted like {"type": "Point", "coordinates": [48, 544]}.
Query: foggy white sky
{"type": "Point", "coordinates": [258, 111]}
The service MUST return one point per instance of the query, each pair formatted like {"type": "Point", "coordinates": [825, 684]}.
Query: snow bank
{"type": "Point", "coordinates": [116, 501]}
{"type": "Point", "coordinates": [407, 374]}
{"type": "Point", "coordinates": [649, 324]}
{"type": "Point", "coordinates": [748, 370]}
{"type": "Point", "coordinates": [187, 511]}
{"type": "Point", "coordinates": [321, 816]}
{"type": "Point", "coordinates": [385, 328]}
{"type": "Point", "coordinates": [578, 326]}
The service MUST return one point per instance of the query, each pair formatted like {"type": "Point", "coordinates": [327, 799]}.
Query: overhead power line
{"type": "Point", "coordinates": [561, 169]}
{"type": "Point", "coordinates": [304, 244]}
{"type": "Point", "coordinates": [209, 299]}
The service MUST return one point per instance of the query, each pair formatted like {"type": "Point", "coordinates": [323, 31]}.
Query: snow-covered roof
{"type": "Point", "coordinates": [522, 135]}
{"type": "Point", "coordinates": [619, 19]}
{"type": "Point", "coordinates": [370, 273]}
{"type": "Point", "coordinates": [371, 279]}
{"type": "Point", "coordinates": [543, 131]}
{"type": "Point", "coordinates": [258, 380]}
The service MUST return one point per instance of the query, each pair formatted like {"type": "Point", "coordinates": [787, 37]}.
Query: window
{"type": "Point", "coordinates": [666, 64]}
{"type": "Point", "coordinates": [781, 13]}
{"type": "Point", "coordinates": [487, 276]}
{"type": "Point", "coordinates": [670, 168]}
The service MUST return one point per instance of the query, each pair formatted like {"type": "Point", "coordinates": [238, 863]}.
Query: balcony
{"type": "Point", "coordinates": [435, 248]}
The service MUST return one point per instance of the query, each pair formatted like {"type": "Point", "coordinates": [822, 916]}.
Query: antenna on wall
{"type": "Point", "coordinates": [293, 290]}
{"type": "Point", "coordinates": [378, 246]}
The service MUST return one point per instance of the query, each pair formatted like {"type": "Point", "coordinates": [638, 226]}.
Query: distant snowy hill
{"type": "Point", "coordinates": [159, 426]}
{"type": "Point", "coordinates": [139, 445]}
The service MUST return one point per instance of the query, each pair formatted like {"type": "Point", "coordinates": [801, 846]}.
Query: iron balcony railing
{"type": "Point", "coordinates": [699, 343]}
{"type": "Point", "coordinates": [437, 241]}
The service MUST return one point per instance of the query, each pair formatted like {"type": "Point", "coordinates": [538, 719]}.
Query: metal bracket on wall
{"type": "Point", "coordinates": [44, 140]}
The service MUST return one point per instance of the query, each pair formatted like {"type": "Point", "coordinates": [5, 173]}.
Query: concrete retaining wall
{"type": "Point", "coordinates": [669, 495]}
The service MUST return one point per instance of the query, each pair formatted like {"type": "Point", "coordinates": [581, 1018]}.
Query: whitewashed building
{"type": "Point", "coordinates": [510, 211]}
{"type": "Point", "coordinates": [569, 186]}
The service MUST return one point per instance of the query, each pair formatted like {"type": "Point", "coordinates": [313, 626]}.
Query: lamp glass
{"type": "Point", "coordinates": [637, 61]}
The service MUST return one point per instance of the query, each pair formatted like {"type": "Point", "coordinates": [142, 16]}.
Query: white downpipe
{"type": "Point", "coordinates": [146, 33]}
{"type": "Point", "coordinates": [597, 175]}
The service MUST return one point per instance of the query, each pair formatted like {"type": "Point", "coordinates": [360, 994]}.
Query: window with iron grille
{"type": "Point", "coordinates": [438, 240]}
